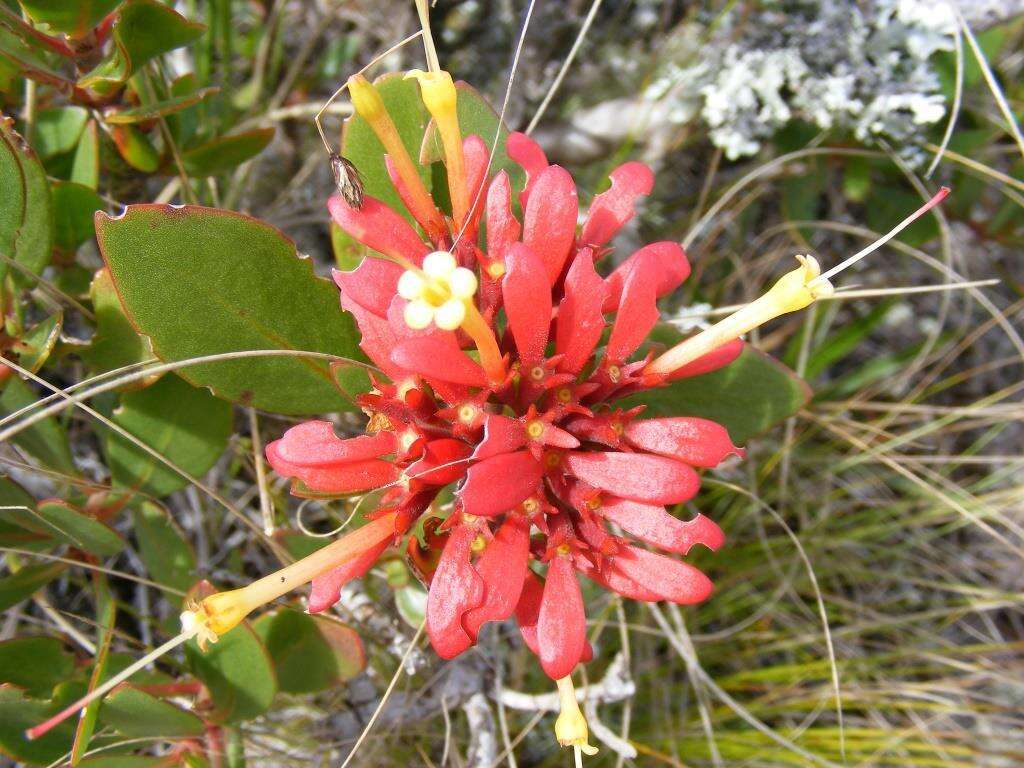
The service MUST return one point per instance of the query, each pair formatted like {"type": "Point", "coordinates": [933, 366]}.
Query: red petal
{"type": "Point", "coordinates": [562, 623]}
{"type": "Point", "coordinates": [527, 295]}
{"type": "Point", "coordinates": [378, 227]}
{"type": "Point", "coordinates": [327, 586]}
{"type": "Point", "coordinates": [549, 223]}
{"type": "Point", "coordinates": [428, 216]}
{"type": "Point", "coordinates": [502, 227]}
{"type": "Point", "coordinates": [439, 357]}
{"type": "Point", "coordinates": [500, 483]}
{"type": "Point", "coordinates": [475, 156]}
{"type": "Point", "coordinates": [314, 444]}
{"type": "Point", "coordinates": [528, 154]}
{"type": "Point", "coordinates": [637, 312]}
{"type": "Point", "coordinates": [712, 361]}
{"type": "Point", "coordinates": [455, 589]}
{"type": "Point", "coordinates": [580, 321]}
{"type": "Point", "coordinates": [617, 582]}
{"type": "Point", "coordinates": [637, 476]}
{"type": "Point", "coordinates": [670, 270]}
{"type": "Point", "coordinates": [372, 285]}
{"type": "Point", "coordinates": [501, 435]}
{"type": "Point", "coordinates": [614, 207]}
{"type": "Point", "coordinates": [528, 610]}
{"type": "Point", "coordinates": [694, 441]}
{"type": "Point", "coordinates": [445, 453]}
{"type": "Point", "coordinates": [676, 581]}
{"type": "Point", "coordinates": [347, 477]}
{"type": "Point", "coordinates": [502, 566]}
{"type": "Point", "coordinates": [377, 337]}
{"type": "Point", "coordinates": [656, 526]}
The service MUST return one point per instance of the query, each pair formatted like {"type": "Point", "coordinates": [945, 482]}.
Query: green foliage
{"type": "Point", "coordinates": [237, 671]}
{"type": "Point", "coordinates": [35, 664]}
{"type": "Point", "coordinates": [749, 396]}
{"type": "Point", "coordinates": [168, 556]}
{"type": "Point", "coordinates": [26, 216]}
{"type": "Point", "coordinates": [144, 29]}
{"type": "Point", "coordinates": [310, 653]}
{"type": "Point", "coordinates": [218, 299]}
{"type": "Point", "coordinates": [45, 440]}
{"type": "Point", "coordinates": [22, 583]}
{"type": "Point", "coordinates": [136, 714]}
{"type": "Point", "coordinates": [75, 18]}
{"type": "Point", "coordinates": [185, 424]}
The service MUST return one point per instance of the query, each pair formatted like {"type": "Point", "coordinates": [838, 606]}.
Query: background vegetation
{"type": "Point", "coordinates": [868, 602]}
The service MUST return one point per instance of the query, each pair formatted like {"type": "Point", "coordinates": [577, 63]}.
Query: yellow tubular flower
{"type": "Point", "coordinates": [440, 97]}
{"type": "Point", "coordinates": [370, 106]}
{"type": "Point", "coordinates": [571, 726]}
{"type": "Point", "coordinates": [222, 611]}
{"type": "Point", "coordinates": [793, 291]}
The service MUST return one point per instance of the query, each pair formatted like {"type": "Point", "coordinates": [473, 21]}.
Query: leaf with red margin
{"type": "Point", "coordinates": [195, 281]}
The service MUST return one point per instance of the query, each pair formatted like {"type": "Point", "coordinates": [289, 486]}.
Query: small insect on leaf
{"type": "Point", "coordinates": [348, 180]}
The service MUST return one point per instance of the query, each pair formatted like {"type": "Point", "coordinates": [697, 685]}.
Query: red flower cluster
{"type": "Point", "coordinates": [528, 427]}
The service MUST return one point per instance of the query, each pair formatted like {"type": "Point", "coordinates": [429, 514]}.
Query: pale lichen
{"type": "Point", "coordinates": [863, 69]}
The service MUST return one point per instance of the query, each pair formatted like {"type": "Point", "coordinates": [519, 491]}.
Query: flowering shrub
{"type": "Point", "coordinates": [527, 421]}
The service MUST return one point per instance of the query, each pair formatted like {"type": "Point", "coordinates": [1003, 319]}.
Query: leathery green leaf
{"type": "Point", "coordinates": [310, 653]}
{"type": "Point", "coordinates": [26, 215]}
{"type": "Point", "coordinates": [238, 672]}
{"type": "Point", "coordinates": [197, 281]}
{"type": "Point", "coordinates": [186, 424]}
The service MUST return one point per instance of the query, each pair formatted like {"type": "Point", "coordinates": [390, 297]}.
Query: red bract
{"type": "Point", "coordinates": [494, 377]}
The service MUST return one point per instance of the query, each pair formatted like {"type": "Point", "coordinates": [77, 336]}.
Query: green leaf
{"type": "Point", "coordinates": [748, 396]}
{"type": "Point", "coordinates": [85, 168]}
{"type": "Point", "coordinates": [75, 17]}
{"type": "Point", "coordinates": [19, 713]}
{"type": "Point", "coordinates": [144, 29]}
{"type": "Point", "coordinates": [115, 343]}
{"type": "Point", "coordinates": [168, 557]}
{"type": "Point", "coordinates": [226, 153]}
{"type": "Point", "coordinates": [310, 653]}
{"type": "Point", "coordinates": [58, 129]}
{"type": "Point", "coordinates": [135, 148]}
{"type": "Point", "coordinates": [106, 622]}
{"type": "Point", "coordinates": [360, 144]}
{"type": "Point", "coordinates": [27, 52]}
{"type": "Point", "coordinates": [187, 425]}
{"type": "Point", "coordinates": [124, 761]}
{"type": "Point", "coordinates": [65, 523]}
{"type": "Point", "coordinates": [476, 118]}
{"type": "Point", "coordinates": [238, 672]}
{"type": "Point", "coordinates": [158, 109]}
{"type": "Point", "coordinates": [411, 601]}
{"type": "Point", "coordinates": [36, 664]}
{"type": "Point", "coordinates": [38, 342]}
{"type": "Point", "coordinates": [15, 502]}
{"type": "Point", "coordinates": [199, 281]}
{"type": "Point", "coordinates": [26, 215]}
{"type": "Point", "coordinates": [74, 206]}
{"type": "Point", "coordinates": [137, 714]}
{"type": "Point", "coordinates": [16, 587]}
{"type": "Point", "coordinates": [46, 439]}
